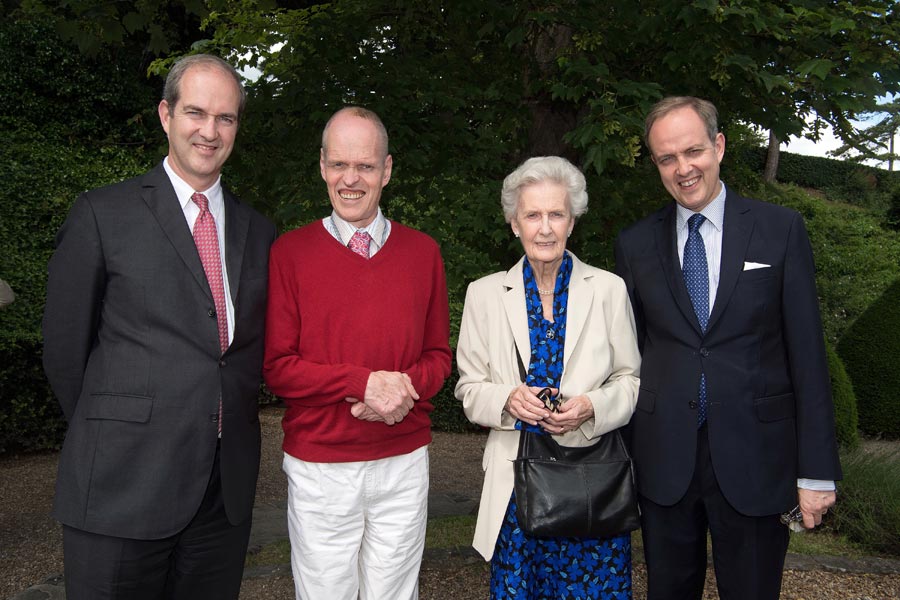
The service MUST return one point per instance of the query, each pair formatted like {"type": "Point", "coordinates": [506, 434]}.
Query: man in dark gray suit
{"type": "Point", "coordinates": [153, 343]}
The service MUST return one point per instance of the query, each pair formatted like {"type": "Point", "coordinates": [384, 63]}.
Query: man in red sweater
{"type": "Point", "coordinates": [357, 342]}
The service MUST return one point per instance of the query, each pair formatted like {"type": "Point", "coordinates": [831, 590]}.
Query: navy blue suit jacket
{"type": "Point", "coordinates": [770, 417]}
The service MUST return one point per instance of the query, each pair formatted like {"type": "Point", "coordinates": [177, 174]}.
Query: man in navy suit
{"type": "Point", "coordinates": [153, 344]}
{"type": "Point", "coordinates": [734, 423]}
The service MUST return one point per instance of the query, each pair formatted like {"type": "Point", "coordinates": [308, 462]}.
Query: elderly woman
{"type": "Point", "coordinates": [572, 326]}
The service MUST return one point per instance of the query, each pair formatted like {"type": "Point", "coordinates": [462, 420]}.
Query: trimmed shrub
{"type": "Point", "coordinates": [871, 353]}
{"type": "Point", "coordinates": [846, 420]}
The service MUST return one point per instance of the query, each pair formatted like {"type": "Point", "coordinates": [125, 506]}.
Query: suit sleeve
{"type": "Point", "coordinates": [75, 287]}
{"type": "Point", "coordinates": [623, 270]}
{"type": "Point", "coordinates": [433, 367]}
{"type": "Point", "coordinates": [817, 445]}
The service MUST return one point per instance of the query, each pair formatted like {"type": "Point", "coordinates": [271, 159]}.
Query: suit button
{"type": "Point", "coordinates": [211, 313]}
{"type": "Point", "coordinates": [692, 404]}
{"type": "Point", "coordinates": [214, 418]}
{"type": "Point", "coordinates": [704, 352]}
{"type": "Point", "coordinates": [222, 363]}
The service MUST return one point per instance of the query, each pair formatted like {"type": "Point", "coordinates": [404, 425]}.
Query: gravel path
{"type": "Point", "coordinates": [31, 552]}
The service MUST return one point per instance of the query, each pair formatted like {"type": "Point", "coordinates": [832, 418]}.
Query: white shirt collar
{"type": "Point", "coordinates": [183, 191]}
{"type": "Point", "coordinates": [714, 211]}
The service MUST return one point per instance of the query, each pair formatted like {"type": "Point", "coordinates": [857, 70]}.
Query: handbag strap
{"type": "Point", "coordinates": [523, 374]}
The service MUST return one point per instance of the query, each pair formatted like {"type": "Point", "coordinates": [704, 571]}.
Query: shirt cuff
{"type": "Point", "coordinates": [817, 485]}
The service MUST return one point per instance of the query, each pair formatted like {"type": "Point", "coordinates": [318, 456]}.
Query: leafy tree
{"type": "Point", "coordinates": [876, 141]}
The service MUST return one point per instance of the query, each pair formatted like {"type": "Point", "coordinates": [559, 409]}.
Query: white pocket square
{"type": "Point", "coordinates": [749, 266]}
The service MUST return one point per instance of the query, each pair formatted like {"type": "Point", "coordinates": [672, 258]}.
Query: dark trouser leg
{"type": "Point", "coordinates": [675, 546]}
{"type": "Point", "coordinates": [748, 552]}
{"type": "Point", "coordinates": [205, 560]}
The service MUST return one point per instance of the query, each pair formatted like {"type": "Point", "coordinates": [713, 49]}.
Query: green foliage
{"type": "Point", "coordinates": [846, 419]}
{"type": "Point", "coordinates": [856, 259]}
{"type": "Point", "coordinates": [103, 99]}
{"type": "Point", "coordinates": [892, 218]}
{"type": "Point", "coordinates": [841, 181]}
{"type": "Point", "coordinates": [871, 352]}
{"type": "Point", "coordinates": [868, 506]}
{"type": "Point", "coordinates": [448, 414]}
{"type": "Point", "coordinates": [30, 418]}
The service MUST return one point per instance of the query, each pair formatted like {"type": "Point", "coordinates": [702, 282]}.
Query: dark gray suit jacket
{"type": "Point", "coordinates": [131, 350]}
{"type": "Point", "coordinates": [770, 417]}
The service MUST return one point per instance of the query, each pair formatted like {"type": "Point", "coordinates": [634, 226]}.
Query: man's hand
{"type": "Point", "coordinates": [813, 505]}
{"type": "Point", "coordinates": [363, 412]}
{"type": "Point", "coordinates": [389, 397]}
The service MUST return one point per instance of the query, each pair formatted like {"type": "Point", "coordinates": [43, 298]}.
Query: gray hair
{"type": "Point", "coordinates": [544, 168]}
{"type": "Point", "coordinates": [705, 109]}
{"type": "Point", "coordinates": [172, 89]}
{"type": "Point", "coordinates": [363, 113]}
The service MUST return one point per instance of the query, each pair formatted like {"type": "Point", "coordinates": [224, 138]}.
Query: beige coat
{"type": "Point", "coordinates": [600, 359]}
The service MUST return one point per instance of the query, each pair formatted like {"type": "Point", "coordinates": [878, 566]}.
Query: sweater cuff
{"type": "Point", "coordinates": [357, 381]}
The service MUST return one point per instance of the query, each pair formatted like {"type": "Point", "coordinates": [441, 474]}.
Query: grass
{"type": "Point", "coordinates": [453, 532]}
{"type": "Point", "coordinates": [868, 506]}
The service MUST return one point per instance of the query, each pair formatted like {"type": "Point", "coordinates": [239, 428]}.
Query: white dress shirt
{"type": "Point", "coordinates": [216, 198]}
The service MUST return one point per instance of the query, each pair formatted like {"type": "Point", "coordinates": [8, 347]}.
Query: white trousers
{"type": "Point", "coordinates": [357, 529]}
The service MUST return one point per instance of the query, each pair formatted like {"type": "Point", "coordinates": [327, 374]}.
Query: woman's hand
{"type": "Point", "coordinates": [572, 413]}
{"type": "Point", "coordinates": [524, 404]}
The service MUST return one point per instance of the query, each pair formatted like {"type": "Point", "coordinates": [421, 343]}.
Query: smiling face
{"type": "Point", "coordinates": [543, 221]}
{"type": "Point", "coordinates": [355, 168]}
{"type": "Point", "coordinates": [202, 125]}
{"type": "Point", "coordinates": [688, 161]}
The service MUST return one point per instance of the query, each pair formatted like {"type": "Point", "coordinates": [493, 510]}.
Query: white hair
{"type": "Point", "coordinates": [544, 168]}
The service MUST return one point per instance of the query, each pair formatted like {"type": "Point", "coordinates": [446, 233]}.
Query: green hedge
{"type": "Point", "coordinates": [857, 184]}
{"type": "Point", "coordinates": [30, 418]}
{"type": "Point", "coordinates": [871, 352]}
{"type": "Point", "coordinates": [856, 258]}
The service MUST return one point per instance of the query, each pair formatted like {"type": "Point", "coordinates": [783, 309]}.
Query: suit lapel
{"type": "Point", "coordinates": [737, 228]}
{"type": "Point", "coordinates": [516, 313]}
{"type": "Point", "coordinates": [159, 195]}
{"type": "Point", "coordinates": [666, 246]}
{"type": "Point", "coordinates": [581, 297]}
{"type": "Point", "coordinates": [237, 226]}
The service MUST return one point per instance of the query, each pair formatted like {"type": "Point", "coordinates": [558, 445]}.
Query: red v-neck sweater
{"type": "Point", "coordinates": [333, 318]}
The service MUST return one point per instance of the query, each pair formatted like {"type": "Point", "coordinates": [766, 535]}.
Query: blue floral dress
{"type": "Point", "coordinates": [537, 568]}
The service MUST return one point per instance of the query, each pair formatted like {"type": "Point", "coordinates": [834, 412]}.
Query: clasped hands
{"type": "Point", "coordinates": [524, 405]}
{"type": "Point", "coordinates": [389, 397]}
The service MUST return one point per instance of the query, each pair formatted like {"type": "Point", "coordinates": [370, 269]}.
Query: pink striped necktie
{"type": "Point", "coordinates": [207, 241]}
{"type": "Point", "coordinates": [359, 243]}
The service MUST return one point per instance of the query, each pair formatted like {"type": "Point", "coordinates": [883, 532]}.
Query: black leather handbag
{"type": "Point", "coordinates": [564, 491]}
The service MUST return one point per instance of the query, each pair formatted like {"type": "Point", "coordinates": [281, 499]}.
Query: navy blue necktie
{"type": "Point", "coordinates": [696, 279]}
